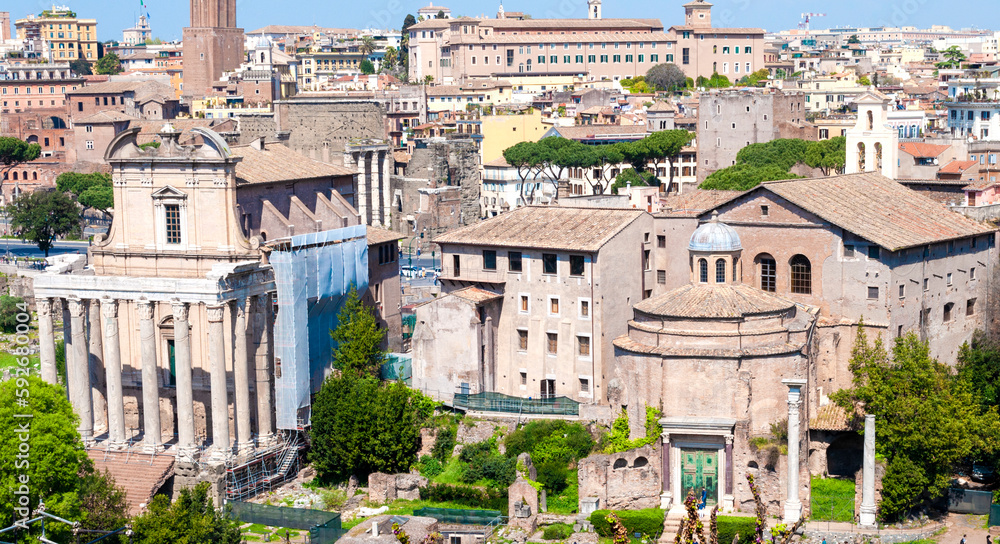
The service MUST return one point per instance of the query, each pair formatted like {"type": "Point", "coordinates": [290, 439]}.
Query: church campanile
{"type": "Point", "coordinates": [212, 45]}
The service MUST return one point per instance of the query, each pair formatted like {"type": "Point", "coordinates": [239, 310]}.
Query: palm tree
{"type": "Point", "coordinates": [367, 46]}
{"type": "Point", "coordinates": [391, 59]}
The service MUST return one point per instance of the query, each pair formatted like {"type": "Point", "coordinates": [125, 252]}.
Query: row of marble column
{"type": "Point", "coordinates": [251, 315]}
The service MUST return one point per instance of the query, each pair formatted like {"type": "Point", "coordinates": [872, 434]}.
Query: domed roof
{"type": "Point", "coordinates": [721, 301]}
{"type": "Point", "coordinates": [715, 237]}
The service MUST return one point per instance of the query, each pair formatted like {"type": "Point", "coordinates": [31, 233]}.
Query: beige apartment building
{"type": "Point", "coordinates": [594, 49]}
{"type": "Point", "coordinates": [66, 36]}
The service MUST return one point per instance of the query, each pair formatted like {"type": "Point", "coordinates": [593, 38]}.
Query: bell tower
{"type": "Point", "coordinates": [593, 9]}
{"type": "Point", "coordinates": [213, 45]}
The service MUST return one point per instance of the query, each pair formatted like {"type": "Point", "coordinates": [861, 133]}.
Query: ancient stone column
{"type": "Point", "coordinates": [793, 506]}
{"type": "Point", "coordinates": [68, 346]}
{"type": "Point", "coordinates": [96, 367]}
{"type": "Point", "coordinates": [150, 384]}
{"type": "Point", "coordinates": [113, 373]}
{"type": "Point", "coordinates": [46, 340]}
{"type": "Point", "coordinates": [241, 377]}
{"type": "Point", "coordinates": [868, 475]}
{"type": "Point", "coordinates": [262, 328]}
{"type": "Point", "coordinates": [220, 398]}
{"type": "Point", "coordinates": [186, 447]}
{"type": "Point", "coordinates": [667, 494]}
{"type": "Point", "coordinates": [79, 371]}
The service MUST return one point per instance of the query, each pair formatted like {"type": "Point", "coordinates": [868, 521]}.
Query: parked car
{"type": "Point", "coordinates": [408, 271]}
{"type": "Point", "coordinates": [983, 473]}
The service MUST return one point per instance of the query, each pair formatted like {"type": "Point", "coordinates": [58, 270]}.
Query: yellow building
{"type": "Point", "coordinates": [66, 37]}
{"type": "Point", "coordinates": [480, 92]}
{"type": "Point", "coordinates": [503, 131]}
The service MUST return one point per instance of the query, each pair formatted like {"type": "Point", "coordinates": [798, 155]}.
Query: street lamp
{"type": "Point", "coordinates": [409, 251]}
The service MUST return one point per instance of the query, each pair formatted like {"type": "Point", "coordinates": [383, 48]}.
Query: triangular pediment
{"type": "Point", "coordinates": [169, 192]}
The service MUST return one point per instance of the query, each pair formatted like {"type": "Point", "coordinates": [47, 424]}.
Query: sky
{"type": "Point", "coordinates": [168, 17]}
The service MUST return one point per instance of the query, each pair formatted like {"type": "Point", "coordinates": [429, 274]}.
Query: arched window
{"type": "Point", "coordinates": [878, 157]}
{"type": "Point", "coordinates": [15, 175]}
{"type": "Point", "coordinates": [34, 176]}
{"type": "Point", "coordinates": [768, 271]}
{"type": "Point", "coordinates": [861, 157]}
{"type": "Point", "coordinates": [720, 271]}
{"type": "Point", "coordinates": [871, 120]}
{"type": "Point", "coordinates": [801, 275]}
{"type": "Point", "coordinates": [702, 267]}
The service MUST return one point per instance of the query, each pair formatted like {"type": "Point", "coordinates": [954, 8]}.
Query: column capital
{"type": "Point", "coordinates": [145, 308]}
{"type": "Point", "coordinates": [215, 312]}
{"type": "Point", "coordinates": [76, 307]}
{"type": "Point", "coordinates": [180, 310]}
{"type": "Point", "coordinates": [729, 439]}
{"type": "Point", "coordinates": [109, 307]}
{"type": "Point", "coordinates": [44, 306]}
{"type": "Point", "coordinates": [665, 436]}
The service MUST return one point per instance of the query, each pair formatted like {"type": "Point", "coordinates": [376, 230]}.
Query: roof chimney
{"type": "Point", "coordinates": [258, 144]}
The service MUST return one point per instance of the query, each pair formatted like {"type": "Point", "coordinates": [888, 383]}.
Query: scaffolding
{"type": "Point", "coordinates": [264, 469]}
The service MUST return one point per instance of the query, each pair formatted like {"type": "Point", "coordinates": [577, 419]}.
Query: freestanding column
{"type": "Point", "coordinates": [220, 399]}
{"type": "Point", "coordinates": [113, 373]}
{"type": "Point", "coordinates": [728, 500]}
{"type": "Point", "coordinates": [241, 377]}
{"type": "Point", "coordinates": [79, 372]}
{"type": "Point", "coordinates": [46, 341]}
{"type": "Point", "coordinates": [150, 385]}
{"type": "Point", "coordinates": [185, 394]}
{"type": "Point", "coordinates": [868, 475]}
{"type": "Point", "coordinates": [96, 367]}
{"type": "Point", "coordinates": [262, 328]}
{"type": "Point", "coordinates": [67, 346]}
{"type": "Point", "coordinates": [666, 495]}
{"type": "Point", "coordinates": [793, 506]}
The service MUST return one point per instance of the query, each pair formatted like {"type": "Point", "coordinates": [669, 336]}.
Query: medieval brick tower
{"type": "Point", "coordinates": [212, 45]}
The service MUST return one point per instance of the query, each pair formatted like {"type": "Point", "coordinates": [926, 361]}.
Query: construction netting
{"type": "Point", "coordinates": [313, 273]}
{"type": "Point", "coordinates": [324, 527]}
{"type": "Point", "coordinates": [461, 517]}
{"type": "Point", "coordinates": [397, 367]}
{"type": "Point", "coordinates": [498, 402]}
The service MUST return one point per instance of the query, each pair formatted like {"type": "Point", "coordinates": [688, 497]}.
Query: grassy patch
{"type": "Point", "coordinates": [568, 500]}
{"type": "Point", "coordinates": [452, 473]}
{"type": "Point", "coordinates": [10, 360]}
{"type": "Point", "coordinates": [832, 499]}
{"type": "Point", "coordinates": [557, 531]}
{"type": "Point", "coordinates": [257, 528]}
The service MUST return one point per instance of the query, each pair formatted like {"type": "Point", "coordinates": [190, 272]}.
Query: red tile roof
{"type": "Point", "coordinates": [923, 150]}
{"type": "Point", "coordinates": [956, 167]}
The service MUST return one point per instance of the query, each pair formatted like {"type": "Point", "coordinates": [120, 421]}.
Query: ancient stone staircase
{"type": "Point", "coordinates": [671, 524]}
{"type": "Point", "coordinates": [140, 474]}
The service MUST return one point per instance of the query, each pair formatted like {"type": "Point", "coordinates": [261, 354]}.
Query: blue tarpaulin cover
{"type": "Point", "coordinates": [313, 274]}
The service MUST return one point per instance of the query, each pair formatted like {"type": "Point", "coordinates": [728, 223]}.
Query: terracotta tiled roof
{"type": "Point", "coordinates": [546, 227]}
{"type": "Point", "coordinates": [877, 209]}
{"type": "Point", "coordinates": [980, 185]}
{"type": "Point", "coordinates": [279, 163]}
{"type": "Point", "coordinates": [380, 236]}
{"type": "Point", "coordinates": [516, 25]}
{"type": "Point", "coordinates": [923, 150]}
{"type": "Point", "coordinates": [661, 105]}
{"type": "Point", "coordinates": [956, 167]}
{"type": "Point", "coordinates": [695, 202]}
{"type": "Point", "coordinates": [135, 473]}
{"type": "Point", "coordinates": [105, 117]}
{"type": "Point", "coordinates": [149, 129]}
{"type": "Point", "coordinates": [628, 344]}
{"type": "Point", "coordinates": [832, 418]}
{"type": "Point", "coordinates": [476, 295]}
{"type": "Point", "coordinates": [591, 131]}
{"type": "Point", "coordinates": [499, 163]}
{"type": "Point", "coordinates": [713, 301]}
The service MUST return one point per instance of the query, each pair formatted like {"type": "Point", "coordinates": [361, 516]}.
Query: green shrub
{"type": "Point", "coordinates": [471, 452]}
{"type": "Point", "coordinates": [730, 526]}
{"type": "Point", "coordinates": [10, 308]}
{"type": "Point", "coordinates": [498, 470]}
{"type": "Point", "coordinates": [550, 439]}
{"type": "Point", "coordinates": [617, 439]}
{"type": "Point", "coordinates": [557, 531]}
{"type": "Point", "coordinates": [552, 474]}
{"type": "Point", "coordinates": [429, 467]}
{"type": "Point", "coordinates": [444, 444]}
{"type": "Point", "coordinates": [467, 495]}
{"type": "Point", "coordinates": [649, 522]}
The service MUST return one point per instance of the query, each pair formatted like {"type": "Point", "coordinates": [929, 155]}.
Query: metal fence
{"type": "Point", "coordinates": [498, 402]}
{"type": "Point", "coordinates": [967, 501]}
{"type": "Point", "coordinates": [324, 527]}
{"type": "Point", "coordinates": [461, 517]}
{"type": "Point", "coordinates": [994, 515]}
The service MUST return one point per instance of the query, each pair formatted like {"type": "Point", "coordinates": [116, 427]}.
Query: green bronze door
{"type": "Point", "coordinates": [699, 469]}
